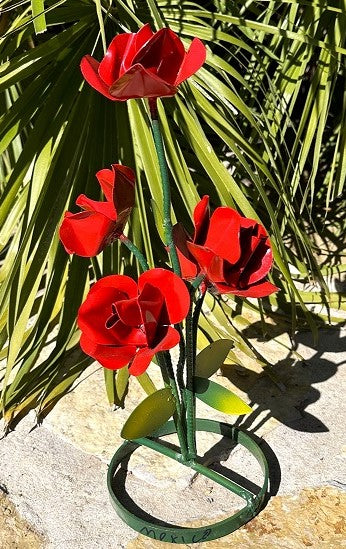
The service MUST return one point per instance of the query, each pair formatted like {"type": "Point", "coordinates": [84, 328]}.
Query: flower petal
{"type": "Point", "coordinates": [223, 234]}
{"type": "Point", "coordinates": [170, 340]}
{"type": "Point", "coordinates": [89, 67]}
{"type": "Point", "coordinates": [129, 312]}
{"type": "Point", "coordinates": [123, 193]}
{"type": "Point", "coordinates": [138, 82]}
{"type": "Point", "coordinates": [261, 289]}
{"type": "Point", "coordinates": [173, 288]}
{"type": "Point", "coordinates": [139, 39]}
{"type": "Point", "coordinates": [106, 179]}
{"type": "Point", "coordinates": [187, 263]}
{"type": "Point", "coordinates": [103, 208]}
{"type": "Point", "coordinates": [163, 55]}
{"type": "Point", "coordinates": [144, 356]}
{"type": "Point", "coordinates": [194, 59]}
{"type": "Point", "coordinates": [97, 308]}
{"type": "Point", "coordinates": [107, 355]}
{"type": "Point", "coordinates": [201, 218]}
{"type": "Point", "coordinates": [259, 264]}
{"type": "Point", "coordinates": [202, 255]}
{"type": "Point", "coordinates": [109, 68]}
{"type": "Point", "coordinates": [85, 233]}
{"type": "Point", "coordinates": [154, 311]}
{"type": "Point", "coordinates": [141, 361]}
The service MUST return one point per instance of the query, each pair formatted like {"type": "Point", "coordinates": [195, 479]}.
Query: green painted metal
{"type": "Point", "coordinates": [178, 534]}
{"type": "Point", "coordinates": [166, 188]}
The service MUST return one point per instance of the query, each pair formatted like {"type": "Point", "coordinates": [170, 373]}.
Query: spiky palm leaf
{"type": "Point", "coordinates": [261, 127]}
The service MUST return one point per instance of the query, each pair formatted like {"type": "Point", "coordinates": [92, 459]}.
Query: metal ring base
{"type": "Point", "coordinates": [178, 534]}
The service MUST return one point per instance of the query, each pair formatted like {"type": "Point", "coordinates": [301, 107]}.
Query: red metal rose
{"type": "Point", "coordinates": [233, 252]}
{"type": "Point", "coordinates": [123, 322]}
{"type": "Point", "coordinates": [143, 64]}
{"type": "Point", "coordinates": [87, 233]}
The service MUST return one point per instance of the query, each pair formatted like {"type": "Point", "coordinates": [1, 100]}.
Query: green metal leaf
{"type": "Point", "coordinates": [210, 359]}
{"type": "Point", "coordinates": [146, 383]}
{"type": "Point", "coordinates": [149, 415]}
{"type": "Point", "coordinates": [116, 382]}
{"type": "Point", "coordinates": [219, 397]}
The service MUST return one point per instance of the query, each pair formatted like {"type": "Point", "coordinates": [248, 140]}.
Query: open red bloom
{"type": "Point", "coordinates": [233, 252]}
{"type": "Point", "coordinates": [123, 322]}
{"type": "Point", "coordinates": [143, 64]}
{"type": "Point", "coordinates": [87, 233]}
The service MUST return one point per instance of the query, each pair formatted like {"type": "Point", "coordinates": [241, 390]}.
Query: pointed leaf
{"type": "Point", "coordinates": [116, 382]}
{"type": "Point", "coordinates": [219, 397]}
{"type": "Point", "coordinates": [210, 359]}
{"type": "Point", "coordinates": [146, 383]}
{"type": "Point", "coordinates": [149, 415]}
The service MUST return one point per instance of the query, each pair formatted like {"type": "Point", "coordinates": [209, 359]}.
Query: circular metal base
{"type": "Point", "coordinates": [178, 534]}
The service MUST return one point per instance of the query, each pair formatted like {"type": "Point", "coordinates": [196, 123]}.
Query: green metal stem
{"type": "Point", "coordinates": [191, 346]}
{"type": "Point", "coordinates": [195, 319]}
{"type": "Point", "coordinates": [167, 221]}
{"type": "Point", "coordinates": [180, 365]}
{"type": "Point", "coordinates": [190, 400]}
{"type": "Point", "coordinates": [164, 361]}
{"type": "Point", "coordinates": [198, 467]}
{"type": "Point", "coordinates": [136, 252]}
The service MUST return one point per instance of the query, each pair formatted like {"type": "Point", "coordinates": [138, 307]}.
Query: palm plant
{"type": "Point", "coordinates": [261, 128]}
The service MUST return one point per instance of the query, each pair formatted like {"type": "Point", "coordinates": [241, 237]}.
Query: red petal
{"type": "Point", "coordinates": [187, 266]}
{"type": "Point", "coordinates": [143, 35]}
{"type": "Point", "coordinates": [141, 362]}
{"type": "Point", "coordinates": [103, 208]}
{"type": "Point", "coordinates": [138, 82]}
{"type": "Point", "coordinates": [118, 187]}
{"type": "Point", "coordinates": [259, 264]}
{"type": "Point", "coordinates": [89, 67]}
{"type": "Point", "coordinates": [257, 290]}
{"type": "Point", "coordinates": [144, 356]}
{"type": "Point", "coordinates": [97, 308]}
{"type": "Point", "coordinates": [85, 233]}
{"type": "Point", "coordinates": [106, 179]}
{"type": "Point", "coordinates": [109, 68]}
{"type": "Point", "coordinates": [128, 335]}
{"type": "Point", "coordinates": [223, 234]}
{"type": "Point", "coordinates": [129, 312]}
{"type": "Point", "coordinates": [194, 59]}
{"type": "Point", "coordinates": [215, 272]}
{"type": "Point", "coordinates": [125, 172]}
{"type": "Point", "coordinates": [154, 311]}
{"type": "Point", "coordinates": [139, 39]}
{"type": "Point", "coordinates": [201, 218]}
{"type": "Point", "coordinates": [108, 356]}
{"type": "Point", "coordinates": [123, 193]}
{"type": "Point", "coordinates": [162, 55]}
{"type": "Point", "coordinates": [172, 287]}
{"type": "Point", "coordinates": [170, 340]}
{"type": "Point", "coordinates": [202, 255]}
{"type": "Point", "coordinates": [121, 283]}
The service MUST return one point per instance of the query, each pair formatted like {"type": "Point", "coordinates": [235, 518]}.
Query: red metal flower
{"type": "Point", "coordinates": [122, 322]}
{"type": "Point", "coordinates": [232, 251]}
{"type": "Point", "coordinates": [87, 233]}
{"type": "Point", "coordinates": [143, 64]}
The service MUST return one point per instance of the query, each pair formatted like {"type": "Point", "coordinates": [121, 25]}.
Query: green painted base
{"type": "Point", "coordinates": [177, 534]}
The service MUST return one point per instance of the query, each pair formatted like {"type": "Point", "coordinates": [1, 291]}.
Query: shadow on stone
{"type": "Point", "coordinates": [289, 405]}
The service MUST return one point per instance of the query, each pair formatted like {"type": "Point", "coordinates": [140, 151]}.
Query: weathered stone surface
{"type": "Point", "coordinates": [85, 418]}
{"type": "Point", "coordinates": [15, 532]}
{"type": "Point", "coordinates": [56, 474]}
{"type": "Point", "coordinates": [313, 518]}
{"type": "Point", "coordinates": [59, 490]}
